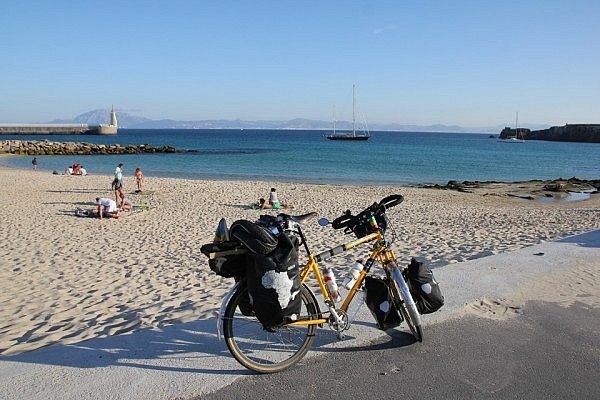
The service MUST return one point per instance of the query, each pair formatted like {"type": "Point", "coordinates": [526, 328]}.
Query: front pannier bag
{"type": "Point", "coordinates": [424, 288]}
{"type": "Point", "coordinates": [380, 303]}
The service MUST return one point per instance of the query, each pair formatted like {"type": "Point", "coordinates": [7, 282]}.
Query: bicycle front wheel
{"type": "Point", "coordinates": [405, 303]}
{"type": "Point", "coordinates": [266, 351]}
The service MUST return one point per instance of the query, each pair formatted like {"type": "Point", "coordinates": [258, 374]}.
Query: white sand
{"type": "Point", "coordinates": [65, 279]}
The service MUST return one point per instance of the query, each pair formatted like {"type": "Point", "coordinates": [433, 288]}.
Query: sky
{"type": "Point", "coordinates": [468, 63]}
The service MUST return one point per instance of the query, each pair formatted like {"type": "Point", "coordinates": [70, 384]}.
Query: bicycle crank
{"type": "Point", "coordinates": [339, 322]}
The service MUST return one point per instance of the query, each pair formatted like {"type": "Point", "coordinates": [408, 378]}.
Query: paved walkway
{"type": "Point", "coordinates": [187, 360]}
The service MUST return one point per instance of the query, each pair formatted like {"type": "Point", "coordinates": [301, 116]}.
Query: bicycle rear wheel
{"type": "Point", "coordinates": [264, 351]}
{"type": "Point", "coordinates": [405, 303]}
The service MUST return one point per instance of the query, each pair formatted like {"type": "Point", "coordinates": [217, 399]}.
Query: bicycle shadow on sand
{"type": "Point", "coordinates": [191, 347]}
{"type": "Point", "coordinates": [185, 347]}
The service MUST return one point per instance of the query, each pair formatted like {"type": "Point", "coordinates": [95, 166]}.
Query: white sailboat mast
{"type": "Point", "coordinates": [334, 119]}
{"type": "Point", "coordinates": [353, 112]}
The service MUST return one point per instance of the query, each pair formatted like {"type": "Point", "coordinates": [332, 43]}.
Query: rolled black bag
{"type": "Point", "coordinates": [423, 287]}
{"type": "Point", "coordinates": [380, 303]}
{"type": "Point", "coordinates": [226, 259]}
{"type": "Point", "coordinates": [256, 238]}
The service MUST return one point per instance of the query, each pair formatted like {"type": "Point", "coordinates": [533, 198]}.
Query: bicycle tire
{"type": "Point", "coordinates": [405, 303]}
{"type": "Point", "coordinates": [265, 351]}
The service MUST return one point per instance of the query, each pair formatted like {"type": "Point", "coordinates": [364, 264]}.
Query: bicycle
{"type": "Point", "coordinates": [273, 350]}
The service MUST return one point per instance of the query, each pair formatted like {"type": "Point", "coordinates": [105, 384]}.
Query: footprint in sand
{"type": "Point", "coordinates": [493, 308]}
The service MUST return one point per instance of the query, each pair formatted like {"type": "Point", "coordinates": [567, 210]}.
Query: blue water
{"type": "Point", "coordinates": [306, 156]}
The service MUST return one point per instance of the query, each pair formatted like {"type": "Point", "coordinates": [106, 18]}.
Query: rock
{"type": "Point", "coordinates": [80, 148]}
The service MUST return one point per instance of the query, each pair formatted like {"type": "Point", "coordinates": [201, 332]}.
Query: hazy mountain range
{"type": "Point", "coordinates": [130, 121]}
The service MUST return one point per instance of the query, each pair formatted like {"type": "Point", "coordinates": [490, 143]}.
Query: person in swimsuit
{"type": "Point", "coordinates": [139, 179]}
{"type": "Point", "coordinates": [126, 204]}
{"type": "Point", "coordinates": [117, 183]}
{"type": "Point", "coordinates": [262, 203]}
{"type": "Point", "coordinates": [273, 197]}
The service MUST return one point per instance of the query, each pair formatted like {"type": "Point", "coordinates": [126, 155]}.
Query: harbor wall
{"type": "Point", "coordinates": [50, 129]}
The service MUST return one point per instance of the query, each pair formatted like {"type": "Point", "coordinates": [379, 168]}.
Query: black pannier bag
{"type": "Point", "coordinates": [226, 259]}
{"type": "Point", "coordinates": [423, 287]}
{"type": "Point", "coordinates": [380, 303]}
{"type": "Point", "coordinates": [272, 273]}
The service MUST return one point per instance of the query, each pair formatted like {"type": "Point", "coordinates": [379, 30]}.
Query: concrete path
{"type": "Point", "coordinates": [187, 360]}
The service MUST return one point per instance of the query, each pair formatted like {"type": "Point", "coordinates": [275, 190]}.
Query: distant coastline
{"type": "Point", "coordinates": [130, 121]}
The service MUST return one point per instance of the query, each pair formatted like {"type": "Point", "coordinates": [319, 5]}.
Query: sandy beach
{"type": "Point", "coordinates": [64, 279]}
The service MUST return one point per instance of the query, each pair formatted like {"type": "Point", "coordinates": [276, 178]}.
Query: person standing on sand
{"type": "Point", "coordinates": [34, 163]}
{"type": "Point", "coordinates": [139, 179]}
{"type": "Point", "coordinates": [117, 183]}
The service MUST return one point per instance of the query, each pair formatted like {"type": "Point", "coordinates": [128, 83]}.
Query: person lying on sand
{"type": "Point", "coordinates": [262, 203]}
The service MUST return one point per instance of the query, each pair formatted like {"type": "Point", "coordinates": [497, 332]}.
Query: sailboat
{"type": "Point", "coordinates": [349, 136]}
{"type": "Point", "coordinates": [515, 139]}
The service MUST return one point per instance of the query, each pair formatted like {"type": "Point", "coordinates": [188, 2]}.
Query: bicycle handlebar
{"type": "Point", "coordinates": [391, 201]}
{"type": "Point", "coordinates": [348, 220]}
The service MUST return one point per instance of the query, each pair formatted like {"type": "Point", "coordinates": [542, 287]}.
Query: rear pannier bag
{"type": "Point", "coordinates": [380, 303]}
{"type": "Point", "coordinates": [272, 273]}
{"type": "Point", "coordinates": [424, 288]}
{"type": "Point", "coordinates": [226, 259]}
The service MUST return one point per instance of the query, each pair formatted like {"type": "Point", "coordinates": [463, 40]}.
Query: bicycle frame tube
{"type": "Point", "coordinates": [379, 253]}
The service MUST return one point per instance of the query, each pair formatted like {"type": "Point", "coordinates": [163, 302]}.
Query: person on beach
{"type": "Point", "coordinates": [263, 204]}
{"type": "Point", "coordinates": [273, 197]}
{"type": "Point", "coordinates": [126, 204]}
{"type": "Point", "coordinates": [117, 183]}
{"type": "Point", "coordinates": [139, 179]}
{"type": "Point", "coordinates": [107, 208]}
{"type": "Point", "coordinates": [34, 163]}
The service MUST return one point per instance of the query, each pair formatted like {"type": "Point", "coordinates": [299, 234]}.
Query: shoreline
{"type": "Point", "coordinates": [467, 186]}
{"type": "Point", "coordinates": [65, 279]}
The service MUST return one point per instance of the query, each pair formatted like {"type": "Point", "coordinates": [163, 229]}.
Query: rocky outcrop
{"type": "Point", "coordinates": [569, 133]}
{"type": "Point", "coordinates": [46, 147]}
{"type": "Point", "coordinates": [558, 189]}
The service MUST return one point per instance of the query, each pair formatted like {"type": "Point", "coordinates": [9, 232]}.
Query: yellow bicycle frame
{"type": "Point", "coordinates": [380, 252]}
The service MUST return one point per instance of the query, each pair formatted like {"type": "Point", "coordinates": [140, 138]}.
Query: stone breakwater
{"type": "Point", "coordinates": [45, 147]}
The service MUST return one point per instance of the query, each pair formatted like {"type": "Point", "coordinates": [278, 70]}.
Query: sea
{"type": "Point", "coordinates": [387, 158]}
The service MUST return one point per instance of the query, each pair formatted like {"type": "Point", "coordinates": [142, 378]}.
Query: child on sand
{"type": "Point", "coordinates": [139, 179]}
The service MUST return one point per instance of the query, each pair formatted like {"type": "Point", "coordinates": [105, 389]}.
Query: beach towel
{"type": "Point", "coordinates": [85, 213]}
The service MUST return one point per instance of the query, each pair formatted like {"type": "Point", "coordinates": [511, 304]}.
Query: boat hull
{"type": "Point", "coordinates": [350, 137]}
